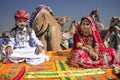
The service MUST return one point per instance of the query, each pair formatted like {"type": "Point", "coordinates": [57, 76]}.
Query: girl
{"type": "Point", "coordinates": [88, 49]}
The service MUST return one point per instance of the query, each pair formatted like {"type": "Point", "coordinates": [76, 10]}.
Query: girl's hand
{"type": "Point", "coordinates": [39, 49]}
{"type": "Point", "coordinates": [93, 55]}
{"type": "Point", "coordinates": [8, 50]}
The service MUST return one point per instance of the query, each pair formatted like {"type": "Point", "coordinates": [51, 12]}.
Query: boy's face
{"type": "Point", "coordinates": [21, 23]}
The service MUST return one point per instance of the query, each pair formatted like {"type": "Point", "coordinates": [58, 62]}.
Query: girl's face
{"type": "Point", "coordinates": [86, 27]}
{"type": "Point", "coordinates": [21, 23]}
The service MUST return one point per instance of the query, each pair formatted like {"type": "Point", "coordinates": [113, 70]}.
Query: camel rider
{"type": "Point", "coordinates": [23, 44]}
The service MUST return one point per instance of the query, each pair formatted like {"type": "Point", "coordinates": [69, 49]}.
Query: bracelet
{"type": "Point", "coordinates": [84, 48]}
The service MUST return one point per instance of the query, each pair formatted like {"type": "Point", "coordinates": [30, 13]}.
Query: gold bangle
{"type": "Point", "coordinates": [79, 44]}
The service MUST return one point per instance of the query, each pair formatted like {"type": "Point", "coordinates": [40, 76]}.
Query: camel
{"type": "Point", "coordinates": [95, 16]}
{"type": "Point", "coordinates": [62, 20]}
{"type": "Point", "coordinates": [65, 36]}
{"type": "Point", "coordinates": [112, 34]}
{"type": "Point", "coordinates": [47, 29]}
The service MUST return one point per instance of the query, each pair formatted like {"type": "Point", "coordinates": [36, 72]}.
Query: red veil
{"type": "Point", "coordinates": [95, 32]}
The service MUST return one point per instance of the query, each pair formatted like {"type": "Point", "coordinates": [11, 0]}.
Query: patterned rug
{"type": "Point", "coordinates": [55, 69]}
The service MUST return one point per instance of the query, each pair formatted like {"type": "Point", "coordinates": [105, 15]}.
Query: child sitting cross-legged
{"type": "Point", "coordinates": [23, 44]}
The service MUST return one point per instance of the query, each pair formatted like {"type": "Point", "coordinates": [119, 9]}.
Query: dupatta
{"type": "Point", "coordinates": [95, 32]}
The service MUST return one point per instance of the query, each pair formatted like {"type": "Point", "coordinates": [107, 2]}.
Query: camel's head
{"type": "Point", "coordinates": [43, 19]}
{"type": "Point", "coordinates": [62, 20]}
{"type": "Point", "coordinates": [94, 14]}
{"type": "Point", "coordinates": [115, 23]}
{"type": "Point", "coordinates": [40, 8]}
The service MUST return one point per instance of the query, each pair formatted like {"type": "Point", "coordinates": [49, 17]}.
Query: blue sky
{"type": "Point", "coordinates": [75, 9]}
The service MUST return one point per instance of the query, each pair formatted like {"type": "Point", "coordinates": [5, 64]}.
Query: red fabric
{"type": "Point", "coordinates": [96, 34]}
{"type": "Point", "coordinates": [21, 14]}
{"type": "Point", "coordinates": [81, 58]}
{"type": "Point", "coordinates": [118, 63]}
{"type": "Point", "coordinates": [106, 32]}
{"type": "Point", "coordinates": [118, 31]}
{"type": "Point", "coordinates": [20, 74]}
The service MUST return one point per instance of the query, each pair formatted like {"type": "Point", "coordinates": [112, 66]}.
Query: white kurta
{"type": "Point", "coordinates": [24, 46]}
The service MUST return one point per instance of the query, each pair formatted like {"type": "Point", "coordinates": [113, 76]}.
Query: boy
{"type": "Point", "coordinates": [23, 44]}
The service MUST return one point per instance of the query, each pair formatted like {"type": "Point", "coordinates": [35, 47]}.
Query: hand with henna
{"type": "Point", "coordinates": [93, 55]}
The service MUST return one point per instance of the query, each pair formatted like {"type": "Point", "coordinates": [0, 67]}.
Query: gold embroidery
{"type": "Point", "coordinates": [79, 44]}
{"type": "Point", "coordinates": [90, 41]}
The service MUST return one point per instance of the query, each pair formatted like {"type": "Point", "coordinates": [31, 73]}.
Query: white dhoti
{"type": "Point", "coordinates": [29, 55]}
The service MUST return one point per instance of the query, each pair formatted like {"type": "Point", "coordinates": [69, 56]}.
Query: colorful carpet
{"type": "Point", "coordinates": [55, 69]}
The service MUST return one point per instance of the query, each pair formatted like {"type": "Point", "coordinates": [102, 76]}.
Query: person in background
{"type": "Point", "coordinates": [1, 40]}
{"type": "Point", "coordinates": [23, 41]}
{"type": "Point", "coordinates": [70, 42]}
{"type": "Point", "coordinates": [88, 50]}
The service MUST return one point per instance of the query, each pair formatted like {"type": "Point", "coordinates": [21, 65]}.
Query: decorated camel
{"type": "Point", "coordinates": [95, 16]}
{"type": "Point", "coordinates": [46, 28]}
{"type": "Point", "coordinates": [112, 34]}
